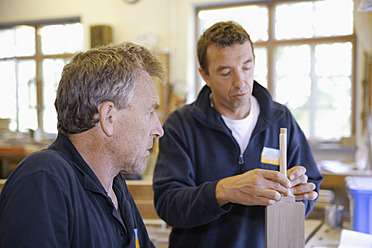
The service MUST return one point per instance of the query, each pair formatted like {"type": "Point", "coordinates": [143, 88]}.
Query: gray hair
{"type": "Point", "coordinates": [106, 73]}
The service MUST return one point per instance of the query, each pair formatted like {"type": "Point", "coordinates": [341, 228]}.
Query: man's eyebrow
{"type": "Point", "coordinates": [222, 67]}
{"type": "Point", "coordinates": [248, 61]}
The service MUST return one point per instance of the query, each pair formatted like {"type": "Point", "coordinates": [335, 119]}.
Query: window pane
{"type": "Point", "coordinates": [27, 97]}
{"type": "Point", "coordinates": [8, 93]}
{"type": "Point", "coordinates": [253, 18]}
{"type": "Point", "coordinates": [52, 69]}
{"type": "Point", "coordinates": [60, 39]}
{"type": "Point", "coordinates": [293, 20]}
{"type": "Point", "coordinates": [19, 41]}
{"type": "Point", "coordinates": [314, 19]}
{"type": "Point", "coordinates": [295, 92]}
{"type": "Point", "coordinates": [18, 83]}
{"type": "Point", "coordinates": [334, 93]}
{"type": "Point", "coordinates": [260, 67]}
{"type": "Point", "coordinates": [7, 41]}
{"type": "Point", "coordinates": [333, 115]}
{"type": "Point", "coordinates": [292, 75]}
{"type": "Point", "coordinates": [322, 103]}
{"type": "Point", "coordinates": [328, 62]}
{"type": "Point", "coordinates": [333, 17]}
{"type": "Point", "coordinates": [25, 41]}
{"type": "Point", "coordinates": [293, 60]}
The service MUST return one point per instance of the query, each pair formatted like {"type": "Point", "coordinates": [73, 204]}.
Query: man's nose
{"type": "Point", "coordinates": [158, 131]}
{"type": "Point", "coordinates": [238, 79]}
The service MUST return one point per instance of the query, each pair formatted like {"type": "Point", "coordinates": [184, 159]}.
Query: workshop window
{"type": "Point", "coordinates": [32, 57]}
{"type": "Point", "coordinates": [304, 56]}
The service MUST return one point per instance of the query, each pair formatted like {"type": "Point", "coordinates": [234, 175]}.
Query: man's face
{"type": "Point", "coordinates": [138, 126]}
{"type": "Point", "coordinates": [230, 78]}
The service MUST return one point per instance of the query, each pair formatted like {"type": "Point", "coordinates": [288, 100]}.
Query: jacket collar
{"type": "Point", "coordinates": [270, 111]}
{"type": "Point", "coordinates": [89, 179]}
{"type": "Point", "coordinates": [204, 112]}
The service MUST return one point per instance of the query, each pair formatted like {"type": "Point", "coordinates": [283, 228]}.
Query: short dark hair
{"type": "Point", "coordinates": [221, 34]}
{"type": "Point", "coordinates": [106, 73]}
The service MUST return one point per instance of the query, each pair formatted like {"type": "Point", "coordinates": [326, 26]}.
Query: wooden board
{"type": "Point", "coordinates": [2, 182]}
{"type": "Point", "coordinates": [285, 224]}
{"type": "Point", "coordinates": [285, 220]}
{"type": "Point", "coordinates": [143, 195]}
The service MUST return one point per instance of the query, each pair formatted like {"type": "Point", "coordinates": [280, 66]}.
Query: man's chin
{"type": "Point", "coordinates": [138, 168]}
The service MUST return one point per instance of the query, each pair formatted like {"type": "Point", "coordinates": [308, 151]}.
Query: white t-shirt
{"type": "Point", "coordinates": [242, 129]}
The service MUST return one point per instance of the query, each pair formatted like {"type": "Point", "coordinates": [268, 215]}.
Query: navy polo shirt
{"type": "Point", "coordinates": [54, 199]}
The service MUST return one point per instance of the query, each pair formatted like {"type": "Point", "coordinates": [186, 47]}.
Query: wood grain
{"type": "Point", "coordinates": [285, 224]}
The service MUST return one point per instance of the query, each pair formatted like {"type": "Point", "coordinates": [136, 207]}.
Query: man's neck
{"type": "Point", "coordinates": [89, 145]}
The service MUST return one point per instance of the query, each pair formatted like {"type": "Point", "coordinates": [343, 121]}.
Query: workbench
{"type": "Point", "coordinates": [323, 236]}
{"type": "Point", "coordinates": [12, 154]}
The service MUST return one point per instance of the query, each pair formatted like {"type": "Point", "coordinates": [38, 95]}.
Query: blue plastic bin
{"type": "Point", "coordinates": [359, 190]}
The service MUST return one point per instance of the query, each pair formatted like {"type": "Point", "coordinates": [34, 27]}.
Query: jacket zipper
{"type": "Point", "coordinates": [241, 159]}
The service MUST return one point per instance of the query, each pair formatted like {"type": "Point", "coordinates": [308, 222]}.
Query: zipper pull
{"type": "Point", "coordinates": [241, 160]}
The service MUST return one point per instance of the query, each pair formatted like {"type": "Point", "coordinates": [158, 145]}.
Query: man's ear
{"type": "Point", "coordinates": [204, 75]}
{"type": "Point", "coordinates": [107, 117]}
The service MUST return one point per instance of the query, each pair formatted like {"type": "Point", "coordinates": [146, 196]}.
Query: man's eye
{"type": "Point", "coordinates": [225, 73]}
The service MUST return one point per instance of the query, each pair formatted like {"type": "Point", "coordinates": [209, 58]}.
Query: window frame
{"type": "Point", "coordinates": [272, 43]}
{"type": "Point", "coordinates": [38, 57]}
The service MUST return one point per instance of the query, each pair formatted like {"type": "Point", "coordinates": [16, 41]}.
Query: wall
{"type": "Point", "coordinates": [363, 23]}
{"type": "Point", "coordinates": [127, 20]}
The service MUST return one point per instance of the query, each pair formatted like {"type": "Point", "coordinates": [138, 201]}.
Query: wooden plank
{"type": "Point", "coordinates": [147, 210]}
{"type": "Point", "coordinates": [285, 220]}
{"type": "Point", "coordinates": [333, 181]}
{"type": "Point", "coordinates": [143, 195]}
{"type": "Point", "coordinates": [141, 192]}
{"type": "Point", "coordinates": [285, 224]}
{"type": "Point", "coordinates": [2, 182]}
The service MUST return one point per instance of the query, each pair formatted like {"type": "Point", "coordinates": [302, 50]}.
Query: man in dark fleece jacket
{"type": "Point", "coordinates": [73, 193]}
{"type": "Point", "coordinates": [218, 161]}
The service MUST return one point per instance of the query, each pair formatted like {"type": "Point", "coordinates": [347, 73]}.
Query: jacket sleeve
{"type": "Point", "coordinates": [299, 153]}
{"type": "Point", "coordinates": [178, 199]}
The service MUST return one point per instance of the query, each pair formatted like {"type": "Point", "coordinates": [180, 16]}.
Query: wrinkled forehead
{"type": "Point", "coordinates": [146, 90]}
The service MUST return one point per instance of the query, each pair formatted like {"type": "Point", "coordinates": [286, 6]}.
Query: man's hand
{"type": "Point", "coordinates": [301, 189]}
{"type": "Point", "coordinates": [255, 187]}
